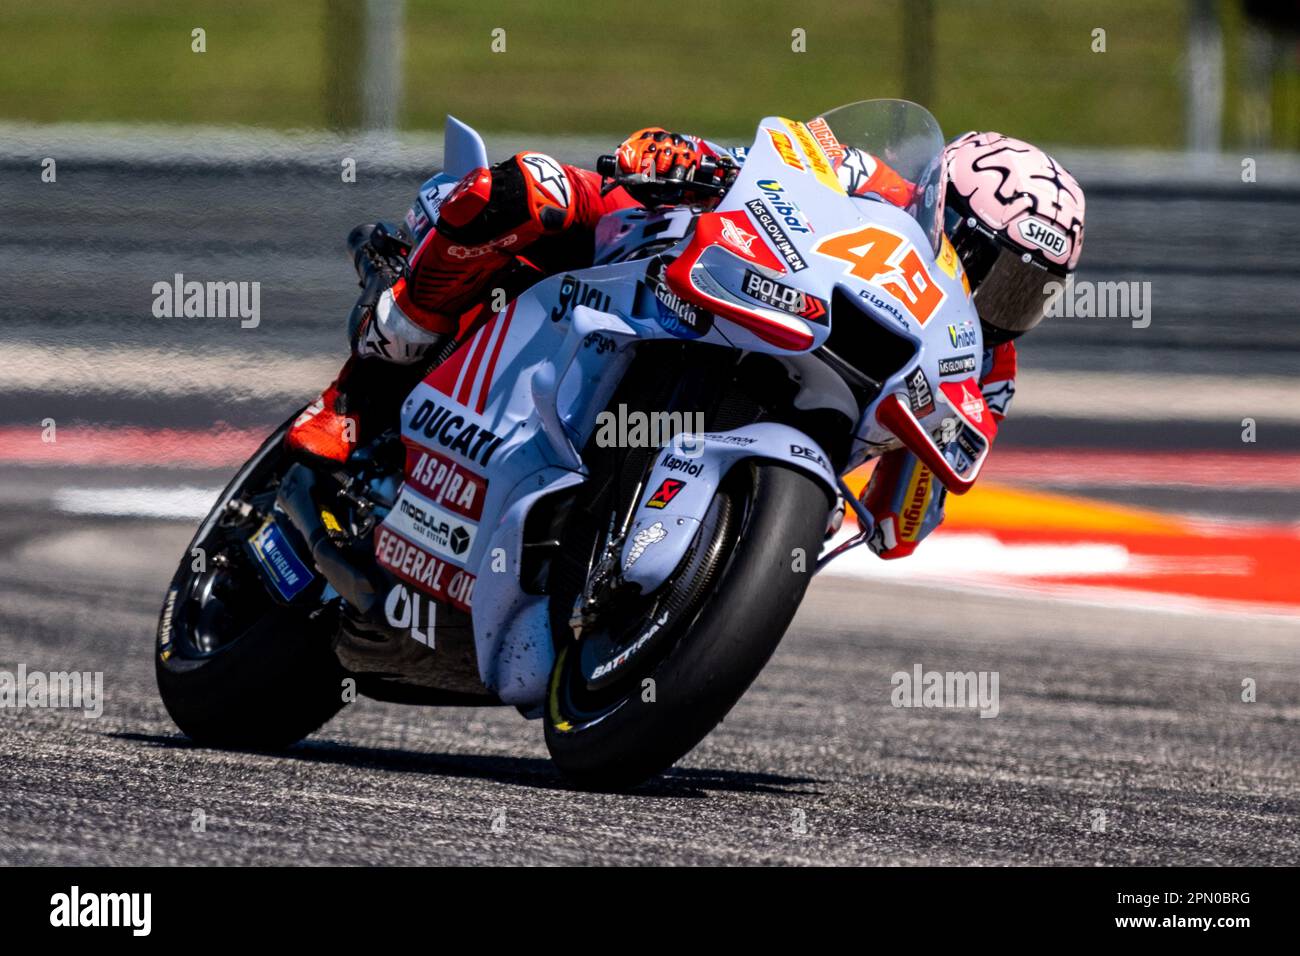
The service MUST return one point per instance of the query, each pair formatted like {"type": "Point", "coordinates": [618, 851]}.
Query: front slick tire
{"type": "Point", "coordinates": [712, 663]}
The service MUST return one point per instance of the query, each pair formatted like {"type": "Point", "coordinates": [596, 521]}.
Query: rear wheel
{"type": "Point", "coordinates": [699, 641]}
{"type": "Point", "coordinates": [235, 668]}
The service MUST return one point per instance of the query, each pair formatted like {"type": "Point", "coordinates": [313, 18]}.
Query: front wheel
{"type": "Point", "coordinates": [724, 611]}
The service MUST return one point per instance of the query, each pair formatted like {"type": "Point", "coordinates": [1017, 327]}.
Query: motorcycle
{"type": "Point", "coordinates": [495, 547]}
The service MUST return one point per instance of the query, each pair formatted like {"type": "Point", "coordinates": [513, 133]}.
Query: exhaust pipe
{"type": "Point", "coordinates": [360, 587]}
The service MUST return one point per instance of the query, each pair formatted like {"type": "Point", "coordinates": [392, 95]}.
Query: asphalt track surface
{"type": "Point", "coordinates": [1129, 718]}
{"type": "Point", "coordinates": [1121, 736]}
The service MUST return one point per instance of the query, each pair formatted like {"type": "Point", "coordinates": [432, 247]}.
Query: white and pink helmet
{"type": "Point", "coordinates": [1015, 216]}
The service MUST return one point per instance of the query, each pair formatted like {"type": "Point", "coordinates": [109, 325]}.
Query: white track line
{"type": "Point", "coordinates": [141, 501]}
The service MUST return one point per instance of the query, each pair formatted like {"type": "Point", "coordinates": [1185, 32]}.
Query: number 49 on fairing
{"type": "Point", "coordinates": [886, 259]}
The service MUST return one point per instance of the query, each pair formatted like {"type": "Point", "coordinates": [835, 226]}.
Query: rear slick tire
{"type": "Point", "coordinates": [275, 680]}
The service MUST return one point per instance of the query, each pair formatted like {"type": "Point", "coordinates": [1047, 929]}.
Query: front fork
{"type": "Point", "coordinates": [866, 526]}
{"type": "Point", "coordinates": [604, 571]}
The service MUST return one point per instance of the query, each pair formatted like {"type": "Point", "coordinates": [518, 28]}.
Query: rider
{"type": "Point", "coordinates": [1015, 217]}
{"type": "Point", "coordinates": [1012, 214]}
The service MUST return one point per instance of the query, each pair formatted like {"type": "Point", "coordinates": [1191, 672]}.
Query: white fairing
{"type": "Point", "coordinates": [510, 410]}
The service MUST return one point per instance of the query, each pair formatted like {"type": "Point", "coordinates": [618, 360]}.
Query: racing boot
{"type": "Point", "coordinates": [356, 407]}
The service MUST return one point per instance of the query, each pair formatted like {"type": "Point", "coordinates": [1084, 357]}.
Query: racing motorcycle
{"type": "Point", "coordinates": [489, 549]}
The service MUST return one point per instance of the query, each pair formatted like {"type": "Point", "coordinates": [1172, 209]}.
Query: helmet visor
{"type": "Point", "coordinates": [1015, 293]}
{"type": "Point", "coordinates": [1011, 290]}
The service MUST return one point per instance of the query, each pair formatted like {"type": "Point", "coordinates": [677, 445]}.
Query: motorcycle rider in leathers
{"type": "Point", "coordinates": [1013, 215]}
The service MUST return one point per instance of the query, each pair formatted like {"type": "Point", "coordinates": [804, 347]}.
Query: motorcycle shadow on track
{"type": "Point", "coordinates": [519, 771]}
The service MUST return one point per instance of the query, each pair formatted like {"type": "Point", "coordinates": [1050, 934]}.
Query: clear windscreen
{"type": "Point", "coordinates": [907, 138]}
